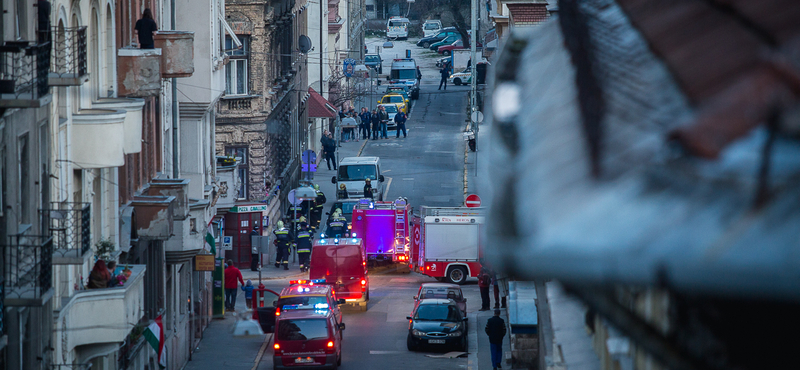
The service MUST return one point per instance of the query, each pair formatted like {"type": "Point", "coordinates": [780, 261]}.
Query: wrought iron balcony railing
{"type": "Point", "coordinates": [70, 227]}
{"type": "Point", "coordinates": [28, 270]}
{"type": "Point", "coordinates": [24, 69]}
{"type": "Point", "coordinates": [68, 65]}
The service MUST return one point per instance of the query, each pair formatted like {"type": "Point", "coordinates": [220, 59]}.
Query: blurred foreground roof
{"type": "Point", "coordinates": [656, 143]}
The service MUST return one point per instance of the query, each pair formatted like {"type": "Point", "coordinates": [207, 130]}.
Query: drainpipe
{"type": "Point", "coordinates": [175, 169]}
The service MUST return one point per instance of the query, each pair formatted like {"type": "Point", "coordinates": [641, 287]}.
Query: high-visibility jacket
{"type": "Point", "coordinates": [283, 238]}
{"type": "Point", "coordinates": [320, 201]}
{"type": "Point", "coordinates": [303, 241]}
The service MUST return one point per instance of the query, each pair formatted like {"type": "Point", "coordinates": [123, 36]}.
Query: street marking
{"type": "Point", "coordinates": [267, 339]}
{"type": "Point", "coordinates": [401, 280]}
{"type": "Point", "coordinates": [408, 179]}
{"type": "Point", "coordinates": [386, 352]}
{"type": "Point", "coordinates": [440, 151]}
{"type": "Point", "coordinates": [388, 184]}
{"type": "Point", "coordinates": [387, 171]}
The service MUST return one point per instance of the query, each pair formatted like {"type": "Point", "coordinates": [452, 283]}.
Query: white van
{"type": "Point", "coordinates": [397, 28]}
{"type": "Point", "coordinates": [431, 27]}
{"type": "Point", "coordinates": [354, 170]}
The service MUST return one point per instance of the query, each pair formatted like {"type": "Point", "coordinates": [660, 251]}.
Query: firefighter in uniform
{"type": "Point", "coordinates": [283, 240]}
{"type": "Point", "coordinates": [293, 214]}
{"type": "Point", "coordinates": [338, 225]}
{"type": "Point", "coordinates": [303, 239]}
{"type": "Point", "coordinates": [319, 204]}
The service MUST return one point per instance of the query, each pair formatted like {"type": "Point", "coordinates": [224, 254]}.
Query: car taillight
{"type": "Point", "coordinates": [277, 346]}
{"type": "Point", "coordinates": [363, 282]}
{"type": "Point", "coordinates": [277, 312]}
{"type": "Point", "coordinates": [329, 348]}
{"type": "Point", "coordinates": [330, 344]}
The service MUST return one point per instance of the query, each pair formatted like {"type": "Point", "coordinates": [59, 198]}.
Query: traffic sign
{"type": "Point", "coordinates": [476, 116]}
{"type": "Point", "coordinates": [473, 200]}
{"type": "Point", "coordinates": [309, 156]}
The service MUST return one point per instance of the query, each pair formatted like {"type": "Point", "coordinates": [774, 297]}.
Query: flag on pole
{"type": "Point", "coordinates": [154, 334]}
{"type": "Point", "coordinates": [210, 243]}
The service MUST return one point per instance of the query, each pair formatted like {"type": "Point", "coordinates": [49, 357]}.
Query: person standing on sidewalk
{"type": "Point", "coordinates": [283, 240]}
{"type": "Point", "coordinates": [484, 280]}
{"type": "Point", "coordinates": [375, 118]}
{"type": "Point", "coordinates": [329, 149]}
{"type": "Point", "coordinates": [496, 330]}
{"type": "Point", "coordinates": [384, 122]}
{"type": "Point", "coordinates": [498, 302]}
{"type": "Point", "coordinates": [400, 119]}
{"type": "Point", "coordinates": [365, 118]}
{"type": "Point", "coordinates": [232, 277]}
{"type": "Point", "coordinates": [248, 293]}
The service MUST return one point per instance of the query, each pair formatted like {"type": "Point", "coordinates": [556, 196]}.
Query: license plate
{"type": "Point", "coordinates": [301, 360]}
{"type": "Point", "coordinates": [436, 341]}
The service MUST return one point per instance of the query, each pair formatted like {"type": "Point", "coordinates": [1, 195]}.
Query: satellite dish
{"type": "Point", "coordinates": [304, 43]}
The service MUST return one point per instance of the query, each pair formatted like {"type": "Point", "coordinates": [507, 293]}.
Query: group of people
{"type": "Point", "coordinates": [495, 326]}
{"type": "Point", "coordinates": [285, 239]}
{"type": "Point", "coordinates": [487, 278]}
{"type": "Point", "coordinates": [106, 275]}
{"type": "Point", "coordinates": [369, 191]}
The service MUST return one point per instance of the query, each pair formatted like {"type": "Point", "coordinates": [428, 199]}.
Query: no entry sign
{"type": "Point", "coordinates": [473, 200]}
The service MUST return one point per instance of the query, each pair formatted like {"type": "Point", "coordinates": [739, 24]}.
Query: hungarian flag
{"type": "Point", "coordinates": [210, 240]}
{"type": "Point", "coordinates": [154, 334]}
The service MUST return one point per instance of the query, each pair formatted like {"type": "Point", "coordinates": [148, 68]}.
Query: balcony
{"type": "Point", "coordinates": [138, 72]}
{"type": "Point", "coordinates": [153, 216]}
{"type": "Point", "coordinates": [179, 188]}
{"type": "Point", "coordinates": [133, 120]}
{"type": "Point", "coordinates": [24, 68]}
{"type": "Point", "coordinates": [28, 270]}
{"type": "Point", "coordinates": [177, 53]}
{"type": "Point", "coordinates": [98, 138]}
{"type": "Point", "coordinates": [96, 316]}
{"type": "Point", "coordinates": [70, 227]}
{"type": "Point", "coordinates": [68, 65]}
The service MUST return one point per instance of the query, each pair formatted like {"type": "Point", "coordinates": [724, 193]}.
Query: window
{"type": "Point", "coordinates": [240, 153]}
{"type": "Point", "coordinates": [370, 8]}
{"type": "Point", "coordinates": [303, 329]}
{"type": "Point", "coordinates": [24, 179]}
{"type": "Point", "coordinates": [357, 172]}
{"type": "Point", "coordinates": [236, 72]}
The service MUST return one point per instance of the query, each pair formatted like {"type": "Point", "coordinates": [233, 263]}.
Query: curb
{"type": "Point", "coordinates": [362, 147]}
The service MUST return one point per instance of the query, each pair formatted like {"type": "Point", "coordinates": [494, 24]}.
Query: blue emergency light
{"type": "Point", "coordinates": [322, 236]}
{"type": "Point", "coordinates": [322, 241]}
{"type": "Point", "coordinates": [321, 306]}
{"type": "Point", "coordinates": [336, 241]}
{"type": "Point", "coordinates": [318, 281]}
{"type": "Point", "coordinates": [371, 205]}
{"type": "Point", "coordinates": [354, 235]}
{"type": "Point", "coordinates": [354, 240]}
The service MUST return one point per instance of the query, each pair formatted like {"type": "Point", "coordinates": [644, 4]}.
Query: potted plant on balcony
{"type": "Point", "coordinates": [104, 248]}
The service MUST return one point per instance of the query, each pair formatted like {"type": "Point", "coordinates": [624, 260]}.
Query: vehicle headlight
{"type": "Point", "coordinates": [456, 333]}
{"type": "Point", "coordinates": [417, 333]}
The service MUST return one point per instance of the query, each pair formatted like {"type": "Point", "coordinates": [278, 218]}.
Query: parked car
{"type": "Point", "coordinates": [446, 41]}
{"type": "Point", "coordinates": [444, 291]}
{"type": "Point", "coordinates": [395, 99]}
{"type": "Point", "coordinates": [437, 322]}
{"type": "Point", "coordinates": [374, 61]}
{"type": "Point", "coordinates": [448, 49]}
{"type": "Point", "coordinates": [431, 27]}
{"type": "Point", "coordinates": [441, 62]}
{"type": "Point", "coordinates": [426, 42]}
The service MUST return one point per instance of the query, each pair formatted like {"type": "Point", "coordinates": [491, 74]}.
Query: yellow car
{"type": "Point", "coordinates": [395, 99]}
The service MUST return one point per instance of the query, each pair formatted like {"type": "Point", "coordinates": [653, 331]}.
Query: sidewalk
{"type": "Point", "coordinates": [484, 357]}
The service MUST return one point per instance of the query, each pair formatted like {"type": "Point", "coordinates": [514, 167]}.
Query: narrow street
{"type": "Point", "coordinates": [427, 167]}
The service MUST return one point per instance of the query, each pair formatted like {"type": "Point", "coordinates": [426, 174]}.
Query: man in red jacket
{"type": "Point", "coordinates": [484, 280]}
{"type": "Point", "coordinates": [232, 274]}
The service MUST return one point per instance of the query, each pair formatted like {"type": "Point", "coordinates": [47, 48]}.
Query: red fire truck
{"type": "Point", "coordinates": [384, 228]}
{"type": "Point", "coordinates": [445, 242]}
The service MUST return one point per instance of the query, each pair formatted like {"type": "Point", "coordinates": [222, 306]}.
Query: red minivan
{"type": "Point", "coordinates": [342, 262]}
{"type": "Point", "coordinates": [307, 338]}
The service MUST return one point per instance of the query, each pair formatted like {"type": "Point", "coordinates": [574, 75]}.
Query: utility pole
{"type": "Point", "coordinates": [473, 65]}
{"type": "Point", "coordinates": [321, 53]}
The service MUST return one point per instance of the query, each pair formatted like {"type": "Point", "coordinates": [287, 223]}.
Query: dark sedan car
{"type": "Point", "coordinates": [437, 322]}
{"type": "Point", "coordinates": [426, 42]}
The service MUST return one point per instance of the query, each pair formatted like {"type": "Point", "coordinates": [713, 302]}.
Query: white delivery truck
{"type": "Point", "coordinates": [445, 242]}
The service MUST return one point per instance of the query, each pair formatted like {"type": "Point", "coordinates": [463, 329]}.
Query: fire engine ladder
{"type": "Point", "coordinates": [400, 223]}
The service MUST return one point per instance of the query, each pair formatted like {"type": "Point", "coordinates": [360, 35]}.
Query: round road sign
{"type": "Point", "coordinates": [473, 200]}
{"type": "Point", "coordinates": [476, 116]}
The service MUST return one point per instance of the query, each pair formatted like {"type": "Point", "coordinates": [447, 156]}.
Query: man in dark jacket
{"type": "Point", "coordinates": [496, 330]}
{"type": "Point", "coordinates": [445, 72]}
{"type": "Point", "coordinates": [375, 118]}
{"type": "Point", "coordinates": [384, 122]}
{"type": "Point", "coordinates": [365, 122]}
{"type": "Point", "coordinates": [400, 119]}
{"type": "Point", "coordinates": [329, 149]}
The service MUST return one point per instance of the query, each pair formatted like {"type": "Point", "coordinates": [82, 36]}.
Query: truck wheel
{"type": "Point", "coordinates": [457, 275]}
{"type": "Point", "coordinates": [457, 81]}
